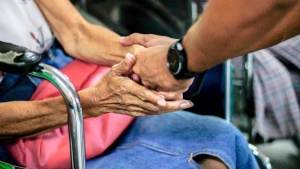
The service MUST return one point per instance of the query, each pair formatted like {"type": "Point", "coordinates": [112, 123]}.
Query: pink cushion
{"type": "Point", "coordinates": [51, 149]}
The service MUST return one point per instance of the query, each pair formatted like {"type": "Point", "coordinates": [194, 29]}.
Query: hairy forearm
{"type": "Point", "coordinates": [81, 39]}
{"type": "Point", "coordinates": [21, 119]}
{"type": "Point", "coordinates": [230, 28]}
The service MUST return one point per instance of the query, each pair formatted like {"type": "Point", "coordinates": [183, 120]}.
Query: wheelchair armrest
{"type": "Point", "coordinates": [17, 59]}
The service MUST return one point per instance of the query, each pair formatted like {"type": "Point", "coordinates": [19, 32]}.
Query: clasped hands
{"type": "Point", "coordinates": [141, 84]}
{"type": "Point", "coordinates": [150, 69]}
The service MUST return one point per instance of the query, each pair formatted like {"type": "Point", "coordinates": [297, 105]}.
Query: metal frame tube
{"type": "Point", "coordinates": [228, 111]}
{"type": "Point", "coordinates": [75, 121]}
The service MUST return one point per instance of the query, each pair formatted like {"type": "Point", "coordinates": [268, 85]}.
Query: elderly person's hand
{"type": "Point", "coordinates": [117, 93]}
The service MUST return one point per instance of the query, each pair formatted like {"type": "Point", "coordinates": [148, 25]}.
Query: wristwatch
{"type": "Point", "coordinates": [177, 61]}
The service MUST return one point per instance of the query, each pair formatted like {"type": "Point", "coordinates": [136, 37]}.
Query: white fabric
{"type": "Point", "coordinates": [22, 23]}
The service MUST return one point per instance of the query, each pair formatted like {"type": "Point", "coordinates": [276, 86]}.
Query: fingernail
{"type": "Point", "coordinates": [162, 96]}
{"type": "Point", "coordinates": [162, 102]}
{"type": "Point", "coordinates": [126, 60]}
{"type": "Point", "coordinates": [122, 39]}
{"type": "Point", "coordinates": [186, 105]}
{"type": "Point", "coordinates": [129, 55]}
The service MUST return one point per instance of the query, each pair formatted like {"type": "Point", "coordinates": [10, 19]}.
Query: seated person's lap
{"type": "Point", "coordinates": [173, 139]}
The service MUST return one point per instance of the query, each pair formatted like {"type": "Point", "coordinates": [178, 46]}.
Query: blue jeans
{"type": "Point", "coordinates": [162, 141]}
{"type": "Point", "coordinates": [171, 140]}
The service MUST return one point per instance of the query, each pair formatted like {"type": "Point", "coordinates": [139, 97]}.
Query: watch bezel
{"type": "Point", "coordinates": [181, 72]}
{"type": "Point", "coordinates": [173, 58]}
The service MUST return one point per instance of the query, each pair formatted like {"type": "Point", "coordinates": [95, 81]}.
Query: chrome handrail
{"type": "Point", "coordinates": [75, 116]}
{"type": "Point", "coordinates": [228, 95]}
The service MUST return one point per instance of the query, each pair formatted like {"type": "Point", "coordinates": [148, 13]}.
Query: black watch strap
{"type": "Point", "coordinates": [183, 73]}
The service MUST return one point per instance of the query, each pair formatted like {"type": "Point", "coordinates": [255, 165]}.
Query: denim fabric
{"type": "Point", "coordinates": [170, 140]}
{"type": "Point", "coordinates": [5, 156]}
{"type": "Point", "coordinates": [16, 87]}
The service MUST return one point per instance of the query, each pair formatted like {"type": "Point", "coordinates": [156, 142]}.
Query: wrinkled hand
{"type": "Point", "coordinates": [151, 66]}
{"type": "Point", "coordinates": [116, 92]}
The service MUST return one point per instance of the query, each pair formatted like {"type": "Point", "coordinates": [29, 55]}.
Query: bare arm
{"type": "Point", "coordinates": [24, 118]}
{"type": "Point", "coordinates": [288, 27]}
{"type": "Point", "coordinates": [225, 30]}
{"type": "Point", "coordinates": [81, 39]}
{"type": "Point", "coordinates": [232, 28]}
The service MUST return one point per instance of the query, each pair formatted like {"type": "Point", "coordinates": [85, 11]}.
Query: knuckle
{"type": "Point", "coordinates": [127, 84]}
{"type": "Point", "coordinates": [119, 106]}
{"type": "Point", "coordinates": [123, 88]}
{"type": "Point", "coordinates": [114, 67]}
{"type": "Point", "coordinates": [143, 95]}
{"type": "Point", "coordinates": [138, 53]}
{"type": "Point", "coordinates": [133, 36]}
{"type": "Point", "coordinates": [146, 39]}
{"type": "Point", "coordinates": [135, 114]}
{"type": "Point", "coordinates": [169, 85]}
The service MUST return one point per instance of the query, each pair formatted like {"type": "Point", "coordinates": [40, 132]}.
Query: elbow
{"type": "Point", "coordinates": [71, 40]}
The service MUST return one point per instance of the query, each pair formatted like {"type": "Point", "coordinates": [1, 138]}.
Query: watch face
{"type": "Point", "coordinates": [174, 63]}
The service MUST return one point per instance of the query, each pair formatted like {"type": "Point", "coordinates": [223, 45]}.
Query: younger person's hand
{"type": "Point", "coordinates": [151, 67]}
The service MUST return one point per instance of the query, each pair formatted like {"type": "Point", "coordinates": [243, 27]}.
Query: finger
{"type": "Point", "coordinates": [133, 110]}
{"type": "Point", "coordinates": [145, 108]}
{"type": "Point", "coordinates": [148, 108]}
{"type": "Point", "coordinates": [136, 111]}
{"type": "Point", "coordinates": [136, 77]}
{"type": "Point", "coordinates": [178, 105]}
{"type": "Point", "coordinates": [146, 40]}
{"type": "Point", "coordinates": [144, 93]}
{"type": "Point", "coordinates": [152, 97]}
{"type": "Point", "coordinates": [135, 38]}
{"type": "Point", "coordinates": [137, 114]}
{"type": "Point", "coordinates": [172, 95]}
{"type": "Point", "coordinates": [124, 67]}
